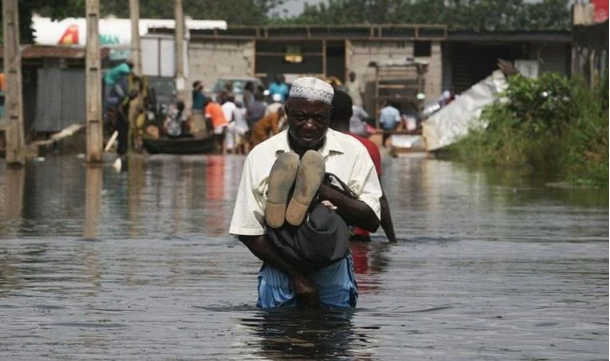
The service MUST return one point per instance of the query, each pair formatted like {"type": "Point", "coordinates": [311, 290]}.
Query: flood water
{"type": "Point", "coordinates": [100, 265]}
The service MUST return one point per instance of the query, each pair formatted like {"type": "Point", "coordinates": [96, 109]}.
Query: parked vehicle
{"type": "Point", "coordinates": [237, 87]}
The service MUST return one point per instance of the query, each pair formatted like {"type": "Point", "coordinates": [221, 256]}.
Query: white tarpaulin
{"type": "Point", "coordinates": [453, 122]}
{"type": "Point", "coordinates": [407, 141]}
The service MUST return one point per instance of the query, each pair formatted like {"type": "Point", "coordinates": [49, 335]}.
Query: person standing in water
{"type": "Point", "coordinates": [340, 121]}
{"type": "Point", "coordinates": [281, 283]}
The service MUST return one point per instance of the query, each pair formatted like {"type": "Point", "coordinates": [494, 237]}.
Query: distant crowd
{"type": "Point", "coordinates": [237, 117]}
{"type": "Point", "coordinates": [238, 125]}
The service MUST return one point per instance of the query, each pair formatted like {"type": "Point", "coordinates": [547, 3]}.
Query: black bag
{"type": "Point", "coordinates": [321, 240]}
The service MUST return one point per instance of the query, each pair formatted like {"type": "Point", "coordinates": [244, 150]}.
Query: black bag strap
{"type": "Point", "coordinates": [329, 177]}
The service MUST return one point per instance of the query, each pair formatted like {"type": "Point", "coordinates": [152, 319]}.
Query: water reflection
{"type": "Point", "coordinates": [487, 267]}
{"type": "Point", "coordinates": [215, 195]}
{"type": "Point", "coordinates": [12, 201]}
{"type": "Point", "coordinates": [93, 200]}
{"type": "Point", "coordinates": [135, 186]}
{"type": "Point", "coordinates": [370, 260]}
{"type": "Point", "coordinates": [306, 335]}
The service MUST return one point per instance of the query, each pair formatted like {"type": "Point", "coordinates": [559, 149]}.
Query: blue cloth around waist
{"type": "Point", "coordinates": [336, 284]}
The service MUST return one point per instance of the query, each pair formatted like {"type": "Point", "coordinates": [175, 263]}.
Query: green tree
{"type": "Point", "coordinates": [482, 15]}
{"type": "Point", "coordinates": [487, 15]}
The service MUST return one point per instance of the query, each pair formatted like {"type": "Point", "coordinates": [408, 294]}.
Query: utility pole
{"type": "Point", "coordinates": [15, 147]}
{"type": "Point", "coordinates": [95, 135]}
{"type": "Point", "coordinates": [136, 57]}
{"type": "Point", "coordinates": [136, 53]}
{"type": "Point", "coordinates": [179, 40]}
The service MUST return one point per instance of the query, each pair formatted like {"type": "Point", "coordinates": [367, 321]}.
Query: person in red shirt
{"type": "Point", "coordinates": [339, 120]}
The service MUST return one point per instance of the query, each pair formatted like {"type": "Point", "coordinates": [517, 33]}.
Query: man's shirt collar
{"type": "Point", "coordinates": [331, 144]}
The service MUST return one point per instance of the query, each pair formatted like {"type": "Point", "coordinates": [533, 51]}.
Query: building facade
{"type": "Point", "coordinates": [456, 60]}
{"type": "Point", "coordinates": [322, 51]}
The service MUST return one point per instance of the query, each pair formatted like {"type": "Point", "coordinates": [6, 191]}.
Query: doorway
{"type": "Point", "coordinates": [335, 59]}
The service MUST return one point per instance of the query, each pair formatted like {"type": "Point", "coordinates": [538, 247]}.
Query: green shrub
{"type": "Point", "coordinates": [550, 124]}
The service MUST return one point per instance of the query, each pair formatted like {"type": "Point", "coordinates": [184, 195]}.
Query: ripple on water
{"type": "Point", "coordinates": [136, 266]}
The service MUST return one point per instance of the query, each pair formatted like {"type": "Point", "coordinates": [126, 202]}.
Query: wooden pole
{"type": "Point", "coordinates": [179, 40]}
{"type": "Point", "coordinates": [136, 57]}
{"type": "Point", "coordinates": [15, 147]}
{"type": "Point", "coordinates": [94, 84]}
{"type": "Point", "coordinates": [136, 53]}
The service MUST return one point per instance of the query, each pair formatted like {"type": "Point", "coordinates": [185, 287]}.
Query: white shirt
{"type": "Point", "coordinates": [273, 108]}
{"type": "Point", "coordinates": [174, 124]}
{"type": "Point", "coordinates": [239, 118]}
{"type": "Point", "coordinates": [357, 123]}
{"type": "Point", "coordinates": [228, 108]}
{"type": "Point", "coordinates": [389, 117]}
{"type": "Point", "coordinates": [344, 156]}
{"type": "Point", "coordinates": [354, 89]}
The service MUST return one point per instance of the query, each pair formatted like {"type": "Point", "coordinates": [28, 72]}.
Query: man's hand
{"type": "Point", "coordinates": [306, 293]}
{"type": "Point", "coordinates": [305, 290]}
{"type": "Point", "coordinates": [354, 212]}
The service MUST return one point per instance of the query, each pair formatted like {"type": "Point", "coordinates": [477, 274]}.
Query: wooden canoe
{"type": "Point", "coordinates": [166, 145]}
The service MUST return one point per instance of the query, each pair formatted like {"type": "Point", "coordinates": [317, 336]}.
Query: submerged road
{"type": "Point", "coordinates": [97, 265]}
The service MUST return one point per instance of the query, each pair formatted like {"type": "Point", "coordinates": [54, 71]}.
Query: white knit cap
{"type": "Point", "coordinates": [312, 89]}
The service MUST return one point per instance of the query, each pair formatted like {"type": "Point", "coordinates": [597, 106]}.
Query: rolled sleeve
{"type": "Point", "coordinates": [365, 182]}
{"type": "Point", "coordinates": [248, 214]}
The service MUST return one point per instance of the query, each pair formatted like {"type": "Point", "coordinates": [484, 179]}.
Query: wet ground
{"type": "Point", "coordinates": [97, 265]}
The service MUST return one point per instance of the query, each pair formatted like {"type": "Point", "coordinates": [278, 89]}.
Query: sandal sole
{"type": "Point", "coordinates": [308, 180]}
{"type": "Point", "coordinates": [281, 179]}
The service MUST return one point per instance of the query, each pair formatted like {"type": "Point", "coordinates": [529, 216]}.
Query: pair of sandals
{"type": "Point", "coordinates": [305, 175]}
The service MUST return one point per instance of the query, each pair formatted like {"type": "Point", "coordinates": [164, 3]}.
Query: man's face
{"type": "Point", "coordinates": [308, 121]}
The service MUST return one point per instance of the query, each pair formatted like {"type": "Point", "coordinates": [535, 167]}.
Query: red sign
{"type": "Point", "coordinates": [601, 10]}
{"type": "Point", "coordinates": [70, 36]}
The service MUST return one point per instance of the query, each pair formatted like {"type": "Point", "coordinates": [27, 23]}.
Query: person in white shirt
{"type": "Point", "coordinates": [281, 283]}
{"type": "Point", "coordinates": [175, 121]}
{"type": "Point", "coordinates": [357, 123]}
{"type": "Point", "coordinates": [228, 108]}
{"type": "Point", "coordinates": [389, 119]}
{"type": "Point", "coordinates": [275, 106]}
{"type": "Point", "coordinates": [355, 90]}
{"type": "Point", "coordinates": [238, 129]}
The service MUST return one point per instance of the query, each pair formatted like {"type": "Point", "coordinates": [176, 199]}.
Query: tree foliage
{"type": "Point", "coordinates": [57, 9]}
{"type": "Point", "coordinates": [457, 14]}
{"type": "Point", "coordinates": [487, 15]}
{"type": "Point", "coordinates": [235, 12]}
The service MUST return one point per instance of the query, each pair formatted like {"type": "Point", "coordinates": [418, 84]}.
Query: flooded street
{"type": "Point", "coordinates": [97, 265]}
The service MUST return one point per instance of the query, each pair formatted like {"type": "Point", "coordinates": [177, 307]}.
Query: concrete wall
{"type": "Point", "coordinates": [360, 53]}
{"type": "Point", "coordinates": [434, 77]}
{"type": "Point", "coordinates": [211, 60]}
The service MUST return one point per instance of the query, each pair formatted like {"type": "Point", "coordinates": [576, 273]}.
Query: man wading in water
{"type": "Point", "coordinates": [260, 205]}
